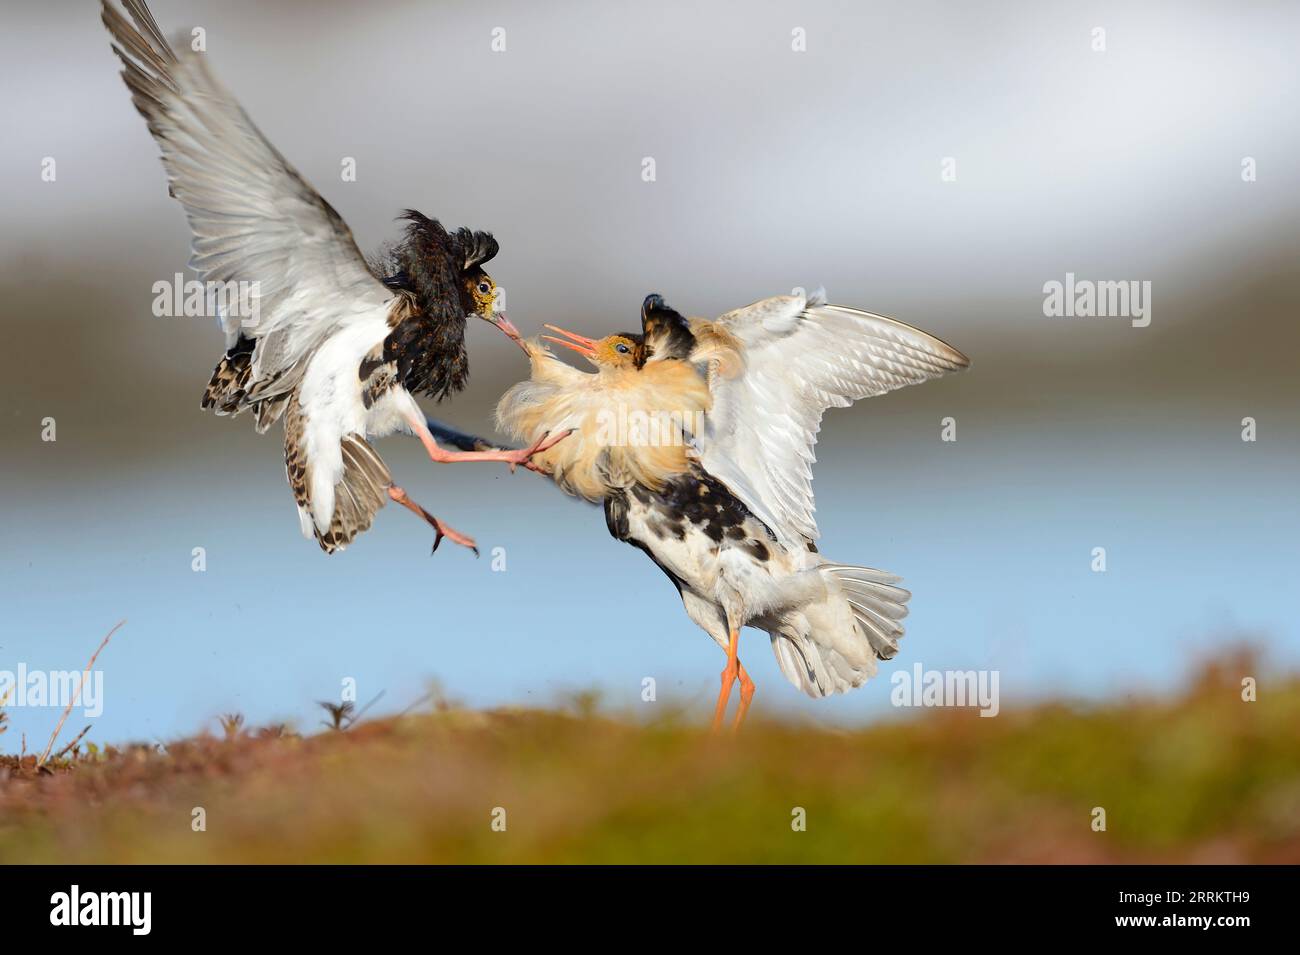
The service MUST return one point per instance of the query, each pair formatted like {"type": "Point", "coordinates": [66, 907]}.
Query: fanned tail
{"type": "Point", "coordinates": [834, 645]}
{"type": "Point", "coordinates": [877, 604]}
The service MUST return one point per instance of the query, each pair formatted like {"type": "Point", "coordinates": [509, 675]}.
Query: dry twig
{"type": "Point", "coordinates": [73, 745]}
{"type": "Point", "coordinates": [76, 696]}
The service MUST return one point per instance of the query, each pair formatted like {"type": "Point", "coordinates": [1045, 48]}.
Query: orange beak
{"type": "Point", "coordinates": [580, 343]}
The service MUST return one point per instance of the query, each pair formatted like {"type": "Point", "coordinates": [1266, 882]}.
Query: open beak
{"type": "Point", "coordinates": [580, 343]}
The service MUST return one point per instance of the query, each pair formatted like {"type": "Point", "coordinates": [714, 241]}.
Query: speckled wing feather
{"type": "Point", "coordinates": [801, 357]}
{"type": "Point", "coordinates": [253, 217]}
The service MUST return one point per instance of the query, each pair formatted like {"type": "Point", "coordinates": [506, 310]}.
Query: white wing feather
{"type": "Point", "coordinates": [800, 358]}
{"type": "Point", "coordinates": [254, 218]}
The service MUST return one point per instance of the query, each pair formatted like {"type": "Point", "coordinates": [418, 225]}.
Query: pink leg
{"type": "Point", "coordinates": [441, 529]}
{"type": "Point", "coordinates": [522, 456]}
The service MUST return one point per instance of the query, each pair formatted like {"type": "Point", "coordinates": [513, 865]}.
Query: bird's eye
{"type": "Point", "coordinates": [483, 287]}
{"type": "Point", "coordinates": [621, 348]}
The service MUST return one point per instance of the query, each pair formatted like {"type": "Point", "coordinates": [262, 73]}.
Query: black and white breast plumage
{"type": "Point", "coordinates": [730, 568]}
{"type": "Point", "coordinates": [735, 534]}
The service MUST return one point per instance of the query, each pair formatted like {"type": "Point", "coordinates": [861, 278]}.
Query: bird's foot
{"type": "Point", "coordinates": [441, 455]}
{"type": "Point", "coordinates": [446, 530]}
{"type": "Point", "coordinates": [544, 443]}
{"type": "Point", "coordinates": [440, 528]}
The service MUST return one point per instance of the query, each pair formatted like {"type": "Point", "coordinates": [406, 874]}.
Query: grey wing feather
{"type": "Point", "coordinates": [254, 218]}
{"type": "Point", "coordinates": [800, 358]}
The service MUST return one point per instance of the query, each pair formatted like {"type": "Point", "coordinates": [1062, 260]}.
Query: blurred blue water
{"type": "Point", "coordinates": [992, 534]}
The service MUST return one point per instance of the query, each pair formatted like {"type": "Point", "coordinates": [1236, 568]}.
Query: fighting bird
{"type": "Point", "coordinates": [697, 437]}
{"type": "Point", "coordinates": [337, 346]}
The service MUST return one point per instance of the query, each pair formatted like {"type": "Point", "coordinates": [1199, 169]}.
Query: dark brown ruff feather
{"type": "Point", "coordinates": [428, 339]}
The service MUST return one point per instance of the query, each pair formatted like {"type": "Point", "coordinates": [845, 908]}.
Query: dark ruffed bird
{"type": "Point", "coordinates": [337, 346]}
{"type": "Point", "coordinates": [697, 436]}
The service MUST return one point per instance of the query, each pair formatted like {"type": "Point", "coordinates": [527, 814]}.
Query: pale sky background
{"type": "Point", "coordinates": [775, 169]}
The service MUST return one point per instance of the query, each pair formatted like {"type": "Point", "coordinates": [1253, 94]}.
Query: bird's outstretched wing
{"type": "Point", "coordinates": [254, 218]}
{"type": "Point", "coordinates": [798, 357]}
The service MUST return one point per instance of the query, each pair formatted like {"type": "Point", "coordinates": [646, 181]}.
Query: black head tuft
{"type": "Point", "coordinates": [425, 234]}
{"type": "Point", "coordinates": [667, 333]}
{"type": "Point", "coordinates": [421, 263]}
{"type": "Point", "coordinates": [429, 261]}
{"type": "Point", "coordinates": [475, 247]}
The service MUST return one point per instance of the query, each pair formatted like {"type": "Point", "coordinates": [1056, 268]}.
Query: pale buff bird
{"type": "Point", "coordinates": [697, 436]}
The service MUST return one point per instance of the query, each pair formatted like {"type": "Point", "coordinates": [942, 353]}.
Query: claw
{"type": "Point", "coordinates": [438, 540]}
{"type": "Point", "coordinates": [543, 443]}
{"type": "Point", "coordinates": [440, 529]}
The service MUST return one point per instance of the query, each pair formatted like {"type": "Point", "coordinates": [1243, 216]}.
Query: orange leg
{"type": "Point", "coordinates": [729, 674]}
{"type": "Point", "coordinates": [746, 694]}
{"type": "Point", "coordinates": [441, 529]}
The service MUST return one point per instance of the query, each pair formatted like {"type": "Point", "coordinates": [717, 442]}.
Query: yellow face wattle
{"type": "Point", "coordinates": [481, 291]}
